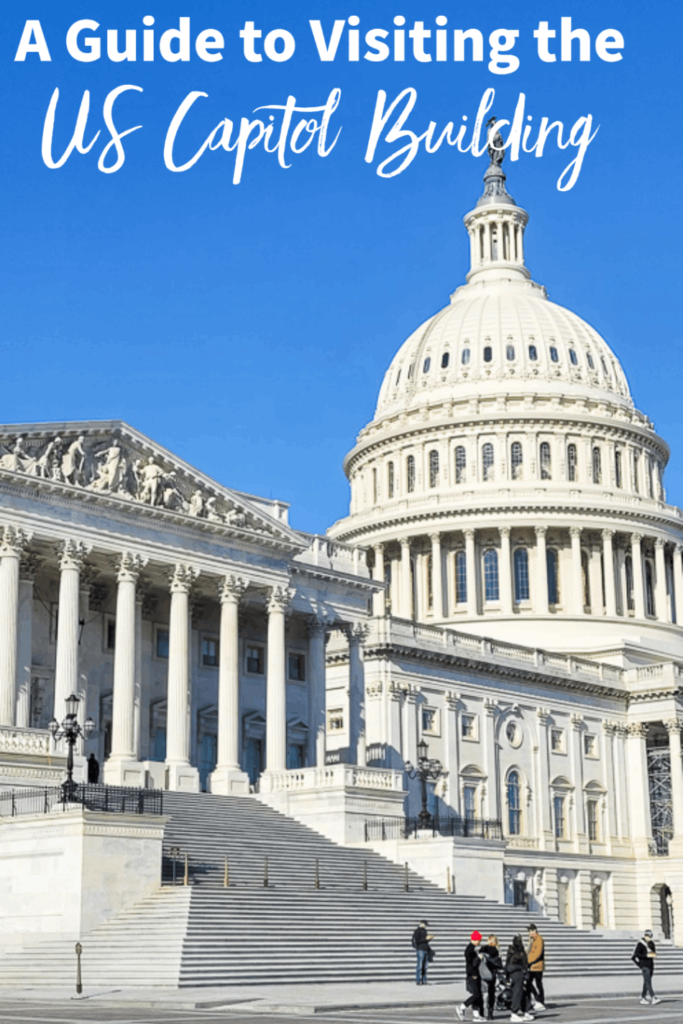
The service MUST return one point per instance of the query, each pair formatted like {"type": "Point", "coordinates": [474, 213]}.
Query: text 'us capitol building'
{"type": "Point", "coordinates": [488, 646]}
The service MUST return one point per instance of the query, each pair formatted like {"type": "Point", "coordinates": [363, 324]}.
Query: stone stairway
{"type": "Point", "coordinates": [249, 934]}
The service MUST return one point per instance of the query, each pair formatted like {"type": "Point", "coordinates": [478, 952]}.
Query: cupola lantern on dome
{"type": "Point", "coordinates": [496, 225]}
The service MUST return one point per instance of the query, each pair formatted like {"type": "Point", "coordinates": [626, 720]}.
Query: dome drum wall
{"type": "Point", "coordinates": [505, 424]}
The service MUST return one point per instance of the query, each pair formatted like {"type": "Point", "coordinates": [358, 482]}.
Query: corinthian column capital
{"type": "Point", "coordinates": [231, 588]}
{"type": "Point", "coordinates": [129, 566]}
{"type": "Point", "coordinates": [673, 725]}
{"type": "Point", "coordinates": [14, 540]}
{"type": "Point", "coordinates": [181, 578]}
{"type": "Point", "coordinates": [279, 598]}
{"type": "Point", "coordinates": [72, 554]}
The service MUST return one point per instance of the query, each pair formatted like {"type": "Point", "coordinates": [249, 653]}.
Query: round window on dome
{"type": "Point", "coordinates": [445, 359]}
{"type": "Point", "coordinates": [488, 354]}
{"type": "Point", "coordinates": [554, 355]}
{"type": "Point", "coordinates": [573, 357]}
{"type": "Point", "coordinates": [465, 357]}
{"type": "Point", "coordinates": [533, 353]}
{"type": "Point", "coordinates": [510, 352]}
{"type": "Point", "coordinates": [427, 363]}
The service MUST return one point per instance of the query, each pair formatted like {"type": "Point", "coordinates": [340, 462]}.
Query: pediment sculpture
{"type": "Point", "coordinates": [113, 466]}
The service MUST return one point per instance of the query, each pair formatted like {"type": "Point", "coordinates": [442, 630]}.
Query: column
{"type": "Point", "coordinates": [678, 583]}
{"type": "Point", "coordinates": [316, 693]}
{"type": "Point", "coordinates": [471, 566]}
{"type": "Point", "coordinates": [540, 601]}
{"type": "Point", "coordinates": [437, 576]}
{"type": "Point", "coordinates": [491, 803]}
{"type": "Point", "coordinates": [505, 571]}
{"type": "Point", "coordinates": [576, 761]}
{"type": "Point", "coordinates": [356, 635]}
{"type": "Point", "coordinates": [27, 575]}
{"type": "Point", "coordinates": [638, 585]}
{"type": "Point", "coordinates": [227, 778]}
{"type": "Point", "coordinates": [11, 547]}
{"type": "Point", "coordinates": [577, 573]}
{"type": "Point", "coordinates": [662, 605]}
{"type": "Point", "coordinates": [181, 776]}
{"type": "Point", "coordinates": [121, 768]}
{"type": "Point", "coordinates": [378, 600]}
{"type": "Point", "coordinates": [452, 747]}
{"type": "Point", "coordinates": [638, 788]}
{"type": "Point", "coordinates": [543, 795]}
{"type": "Point", "coordinates": [71, 557]}
{"type": "Point", "coordinates": [406, 608]}
{"type": "Point", "coordinates": [673, 727]}
{"type": "Point", "coordinates": [276, 681]}
{"type": "Point", "coordinates": [620, 734]}
{"type": "Point", "coordinates": [611, 830]}
{"type": "Point", "coordinates": [139, 601]}
{"type": "Point", "coordinates": [608, 563]}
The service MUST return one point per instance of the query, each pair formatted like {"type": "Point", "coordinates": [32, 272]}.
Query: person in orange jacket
{"type": "Point", "coordinates": [535, 955]}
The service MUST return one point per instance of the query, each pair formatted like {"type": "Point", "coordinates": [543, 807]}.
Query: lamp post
{"type": "Point", "coordinates": [427, 768]}
{"type": "Point", "coordinates": [70, 730]}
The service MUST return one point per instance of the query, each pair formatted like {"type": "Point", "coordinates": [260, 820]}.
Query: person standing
{"type": "Point", "coordinates": [644, 957]}
{"type": "Point", "coordinates": [472, 980]}
{"type": "Point", "coordinates": [93, 770]}
{"type": "Point", "coordinates": [490, 965]}
{"type": "Point", "coordinates": [517, 966]}
{"type": "Point", "coordinates": [421, 942]}
{"type": "Point", "coordinates": [535, 955]}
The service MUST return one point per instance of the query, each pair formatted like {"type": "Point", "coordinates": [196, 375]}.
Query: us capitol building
{"type": "Point", "coordinates": [507, 587]}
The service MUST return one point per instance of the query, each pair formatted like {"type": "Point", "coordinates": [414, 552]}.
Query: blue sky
{"type": "Point", "coordinates": [247, 327]}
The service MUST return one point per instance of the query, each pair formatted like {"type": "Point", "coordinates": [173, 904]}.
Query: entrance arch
{"type": "Point", "coordinates": [662, 909]}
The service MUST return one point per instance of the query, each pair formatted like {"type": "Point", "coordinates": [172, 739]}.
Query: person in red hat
{"type": "Point", "coordinates": [472, 980]}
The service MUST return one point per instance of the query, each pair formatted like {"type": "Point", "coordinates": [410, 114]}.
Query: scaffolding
{"type": "Point", "coordinates": [661, 802]}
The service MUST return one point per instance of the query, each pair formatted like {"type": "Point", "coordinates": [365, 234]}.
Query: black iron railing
{"type": "Point", "coordinates": [112, 799]}
{"type": "Point", "coordinates": [477, 828]}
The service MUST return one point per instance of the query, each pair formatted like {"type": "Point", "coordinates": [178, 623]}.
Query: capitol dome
{"type": "Point", "coordinates": [506, 481]}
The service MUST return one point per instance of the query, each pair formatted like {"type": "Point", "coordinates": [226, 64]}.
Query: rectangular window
{"type": "Point", "coordinates": [430, 721]}
{"type": "Point", "coordinates": [161, 642]}
{"type": "Point", "coordinates": [254, 660]}
{"type": "Point", "coordinates": [296, 667]}
{"type": "Point", "coordinates": [590, 747]}
{"type": "Point", "coordinates": [109, 634]}
{"type": "Point", "coordinates": [469, 799]}
{"type": "Point", "coordinates": [210, 651]}
{"type": "Point", "coordinates": [592, 815]}
{"type": "Point", "coordinates": [468, 727]}
{"type": "Point", "coordinates": [558, 811]}
{"type": "Point", "coordinates": [460, 577]}
{"type": "Point", "coordinates": [557, 741]}
{"type": "Point", "coordinates": [335, 720]}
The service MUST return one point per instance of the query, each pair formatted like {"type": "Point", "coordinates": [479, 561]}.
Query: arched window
{"type": "Point", "coordinates": [410, 473]}
{"type": "Point", "coordinates": [460, 577]}
{"type": "Point", "coordinates": [597, 466]}
{"type": "Point", "coordinates": [554, 355]}
{"type": "Point", "coordinates": [374, 486]}
{"type": "Point", "coordinates": [552, 565]}
{"type": "Point", "coordinates": [521, 564]}
{"type": "Point", "coordinates": [430, 582]}
{"type": "Point", "coordinates": [465, 357]}
{"type": "Point", "coordinates": [491, 590]}
{"type": "Point", "coordinates": [488, 353]}
{"type": "Point", "coordinates": [546, 466]}
{"type": "Point", "coordinates": [427, 363]}
{"type": "Point", "coordinates": [433, 468]}
{"type": "Point", "coordinates": [617, 467]}
{"type": "Point", "coordinates": [514, 795]}
{"type": "Point", "coordinates": [636, 472]}
{"type": "Point", "coordinates": [604, 366]}
{"type": "Point", "coordinates": [510, 352]}
{"type": "Point", "coordinates": [573, 357]}
{"type": "Point", "coordinates": [487, 461]}
{"type": "Point", "coordinates": [398, 376]}
{"type": "Point", "coordinates": [533, 353]}
{"type": "Point", "coordinates": [628, 571]}
{"type": "Point", "coordinates": [650, 480]}
{"type": "Point", "coordinates": [460, 464]}
{"type": "Point", "coordinates": [585, 579]}
{"type": "Point", "coordinates": [571, 462]}
{"type": "Point", "coordinates": [649, 589]}
{"type": "Point", "coordinates": [516, 460]}
{"type": "Point", "coordinates": [390, 479]}
{"type": "Point", "coordinates": [411, 371]}
{"type": "Point", "coordinates": [445, 359]}
{"type": "Point", "coordinates": [589, 360]}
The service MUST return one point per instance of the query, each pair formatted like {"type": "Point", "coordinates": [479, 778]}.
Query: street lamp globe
{"type": "Point", "coordinates": [422, 751]}
{"type": "Point", "coordinates": [54, 728]}
{"type": "Point", "coordinates": [88, 726]}
{"type": "Point", "coordinates": [72, 703]}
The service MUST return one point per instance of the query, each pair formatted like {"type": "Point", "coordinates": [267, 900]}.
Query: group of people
{"type": "Point", "coordinates": [515, 985]}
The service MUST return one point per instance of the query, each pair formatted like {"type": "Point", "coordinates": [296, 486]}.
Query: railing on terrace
{"type": "Point", "coordinates": [475, 828]}
{"type": "Point", "coordinates": [111, 799]}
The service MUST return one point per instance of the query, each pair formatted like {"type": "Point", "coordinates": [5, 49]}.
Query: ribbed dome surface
{"type": "Point", "coordinates": [507, 333]}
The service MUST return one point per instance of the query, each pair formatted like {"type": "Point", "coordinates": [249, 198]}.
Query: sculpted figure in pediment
{"type": "Point", "coordinates": [212, 513]}
{"type": "Point", "coordinates": [171, 497]}
{"type": "Point", "coordinates": [49, 465]}
{"type": "Point", "coordinates": [111, 469]}
{"type": "Point", "coordinates": [73, 463]}
{"type": "Point", "coordinates": [152, 477]}
{"type": "Point", "coordinates": [18, 460]}
{"type": "Point", "coordinates": [196, 508]}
